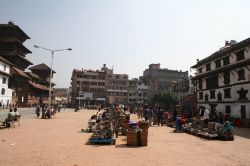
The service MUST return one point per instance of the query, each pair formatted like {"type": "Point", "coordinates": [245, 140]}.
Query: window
{"type": "Point", "coordinates": [4, 80]}
{"type": "Point", "coordinates": [200, 84]}
{"type": "Point", "coordinates": [240, 55]}
{"type": "Point", "coordinates": [212, 82]}
{"type": "Point", "coordinates": [3, 91]}
{"type": "Point", "coordinates": [200, 70]}
{"type": "Point", "coordinates": [219, 96]}
{"type": "Point", "coordinates": [227, 93]}
{"type": "Point", "coordinates": [242, 94]}
{"type": "Point", "coordinates": [218, 63]}
{"type": "Point", "coordinates": [241, 75]}
{"type": "Point", "coordinates": [4, 67]}
{"type": "Point", "coordinates": [243, 111]}
{"type": "Point", "coordinates": [208, 67]}
{"type": "Point", "coordinates": [206, 97]}
{"type": "Point", "coordinates": [200, 95]}
{"type": "Point", "coordinates": [226, 61]}
{"type": "Point", "coordinates": [212, 94]}
{"type": "Point", "coordinates": [228, 110]}
{"type": "Point", "coordinates": [226, 77]}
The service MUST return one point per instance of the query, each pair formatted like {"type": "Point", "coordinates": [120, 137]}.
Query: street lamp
{"type": "Point", "coordinates": [52, 54]}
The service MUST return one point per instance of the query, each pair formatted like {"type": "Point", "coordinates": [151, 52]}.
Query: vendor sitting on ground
{"type": "Point", "coordinates": [179, 122]}
{"type": "Point", "coordinates": [220, 121]}
{"type": "Point", "coordinates": [91, 122]}
{"type": "Point", "coordinates": [10, 116]}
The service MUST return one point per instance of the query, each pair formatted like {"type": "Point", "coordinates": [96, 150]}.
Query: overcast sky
{"type": "Point", "coordinates": [126, 34]}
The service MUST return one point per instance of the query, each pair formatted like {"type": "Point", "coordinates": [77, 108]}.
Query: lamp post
{"type": "Point", "coordinates": [52, 56]}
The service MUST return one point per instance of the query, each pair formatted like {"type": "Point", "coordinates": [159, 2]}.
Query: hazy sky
{"type": "Point", "coordinates": [126, 34]}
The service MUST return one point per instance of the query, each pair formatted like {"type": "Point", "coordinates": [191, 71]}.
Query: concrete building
{"type": "Point", "coordinates": [159, 79]}
{"type": "Point", "coordinates": [88, 87]}
{"type": "Point", "coordinates": [91, 87]}
{"type": "Point", "coordinates": [223, 80]}
{"type": "Point", "coordinates": [6, 92]}
{"type": "Point", "coordinates": [117, 88]}
{"type": "Point", "coordinates": [142, 93]}
{"type": "Point", "coordinates": [132, 91]}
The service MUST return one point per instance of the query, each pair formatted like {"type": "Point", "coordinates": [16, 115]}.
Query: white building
{"type": "Point", "coordinates": [142, 93]}
{"type": "Point", "coordinates": [223, 80]}
{"type": "Point", "coordinates": [5, 92]}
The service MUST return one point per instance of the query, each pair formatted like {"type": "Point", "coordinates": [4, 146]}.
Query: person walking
{"type": "Point", "coordinates": [38, 111]}
{"type": "Point", "coordinates": [159, 116]}
{"type": "Point", "coordinates": [174, 115]}
{"type": "Point", "coordinates": [150, 116]}
{"type": "Point", "coordinates": [145, 112]}
{"type": "Point", "coordinates": [206, 117]}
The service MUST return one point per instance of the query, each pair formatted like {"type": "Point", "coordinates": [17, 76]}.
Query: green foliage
{"type": "Point", "coordinates": [164, 99]}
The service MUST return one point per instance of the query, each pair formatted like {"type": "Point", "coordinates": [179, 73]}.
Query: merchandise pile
{"type": "Point", "coordinates": [106, 124]}
{"type": "Point", "coordinates": [137, 133]}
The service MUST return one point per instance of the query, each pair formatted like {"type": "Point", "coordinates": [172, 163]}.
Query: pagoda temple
{"type": "Point", "coordinates": [28, 88]}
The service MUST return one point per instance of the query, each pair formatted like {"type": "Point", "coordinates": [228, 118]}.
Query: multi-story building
{"type": "Point", "coordinates": [100, 87]}
{"type": "Point", "coordinates": [88, 87]}
{"type": "Point", "coordinates": [132, 91]}
{"type": "Point", "coordinates": [117, 88]}
{"type": "Point", "coordinates": [6, 92]}
{"type": "Point", "coordinates": [223, 80]}
{"type": "Point", "coordinates": [142, 93]}
{"type": "Point", "coordinates": [161, 79]}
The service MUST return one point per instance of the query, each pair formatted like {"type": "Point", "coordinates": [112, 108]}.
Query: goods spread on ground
{"type": "Point", "coordinates": [106, 125]}
{"type": "Point", "coordinates": [196, 127]}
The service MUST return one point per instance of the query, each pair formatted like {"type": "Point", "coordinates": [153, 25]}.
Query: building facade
{"type": "Point", "coordinates": [88, 87]}
{"type": "Point", "coordinates": [159, 79]}
{"type": "Point", "coordinates": [6, 92]}
{"type": "Point", "coordinates": [132, 91]}
{"type": "Point", "coordinates": [95, 87]}
{"type": "Point", "coordinates": [142, 93]}
{"type": "Point", "coordinates": [223, 80]}
{"type": "Point", "coordinates": [117, 88]}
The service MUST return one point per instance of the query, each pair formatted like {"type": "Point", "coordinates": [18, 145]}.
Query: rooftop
{"type": "Point", "coordinates": [41, 66]}
{"type": "Point", "coordinates": [224, 51]}
{"type": "Point", "coordinates": [11, 25]}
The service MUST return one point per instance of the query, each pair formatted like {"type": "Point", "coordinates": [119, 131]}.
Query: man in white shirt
{"type": "Point", "coordinates": [206, 117]}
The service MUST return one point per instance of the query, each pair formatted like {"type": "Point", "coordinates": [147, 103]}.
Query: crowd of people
{"type": "Point", "coordinates": [152, 114]}
{"type": "Point", "coordinates": [47, 112]}
{"type": "Point", "coordinates": [204, 115]}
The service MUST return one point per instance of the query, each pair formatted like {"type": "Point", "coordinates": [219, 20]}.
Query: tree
{"type": "Point", "coordinates": [164, 99]}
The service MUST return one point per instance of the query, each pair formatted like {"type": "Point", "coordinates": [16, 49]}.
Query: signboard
{"type": "Point", "coordinates": [88, 95]}
{"type": "Point", "coordinates": [100, 99]}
